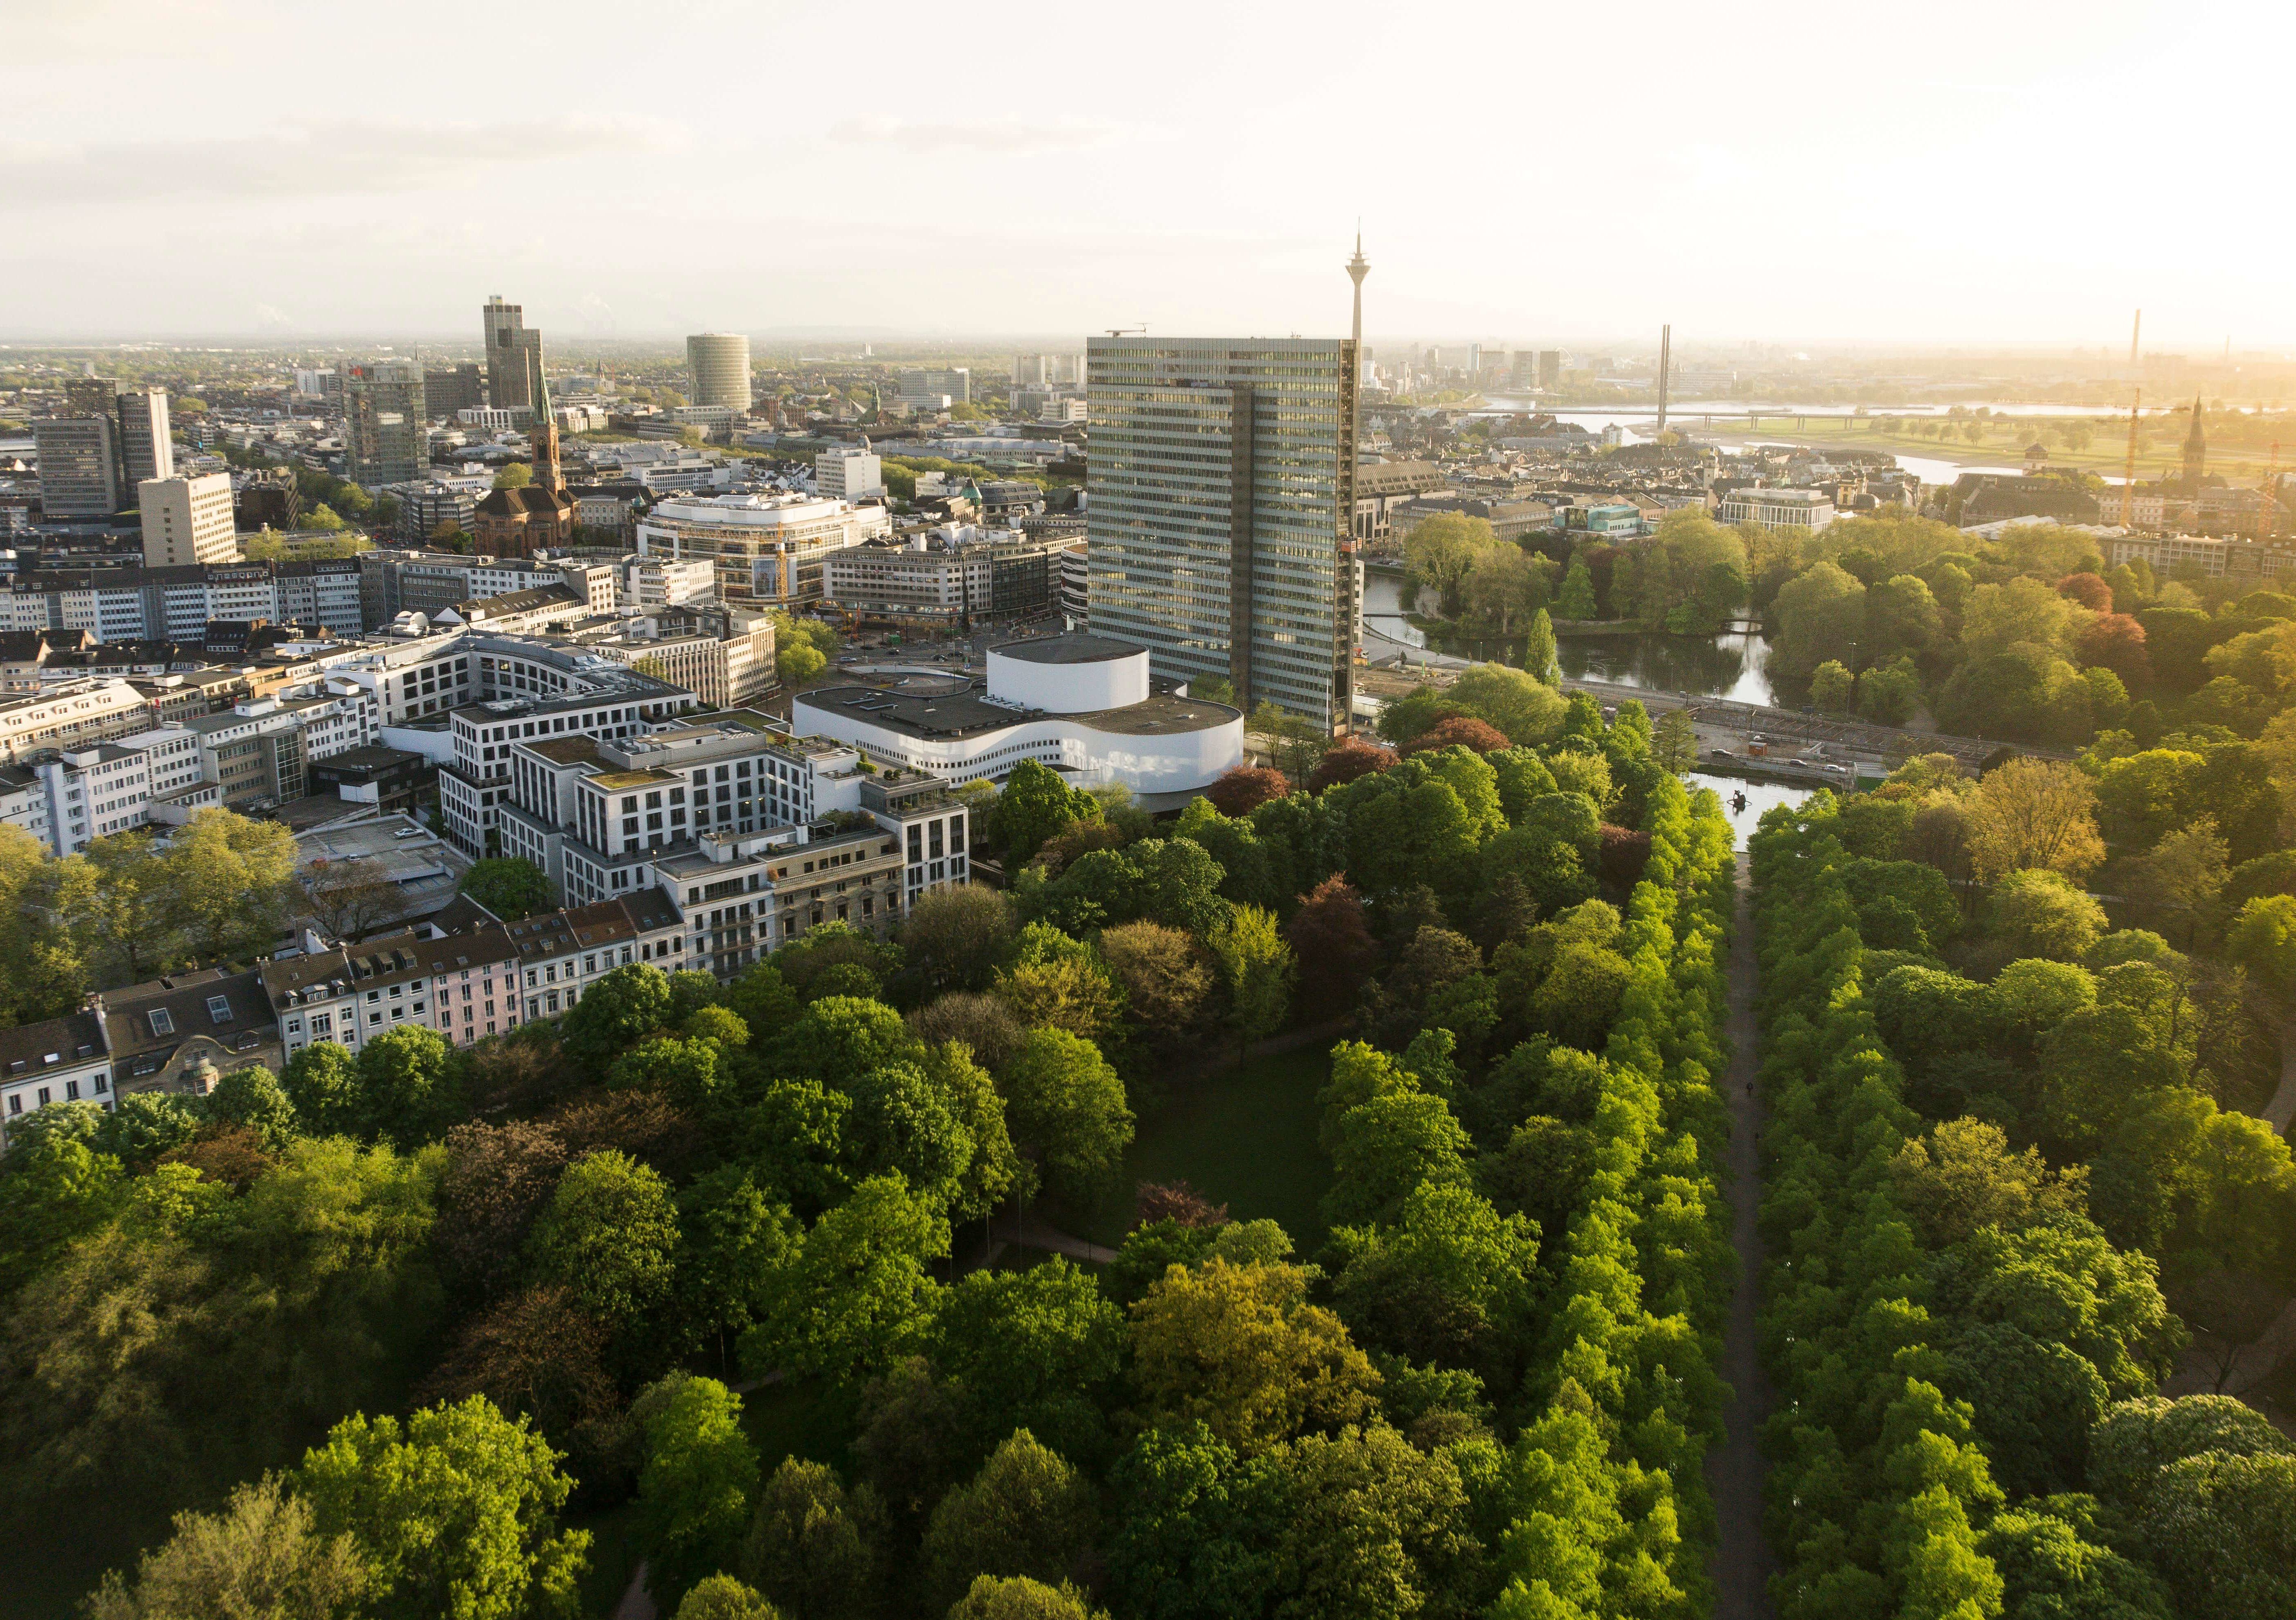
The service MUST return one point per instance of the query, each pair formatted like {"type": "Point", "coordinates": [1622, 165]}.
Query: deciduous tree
{"type": "Point", "coordinates": [455, 1512]}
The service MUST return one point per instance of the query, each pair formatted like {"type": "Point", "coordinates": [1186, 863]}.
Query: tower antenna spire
{"type": "Point", "coordinates": [1357, 269]}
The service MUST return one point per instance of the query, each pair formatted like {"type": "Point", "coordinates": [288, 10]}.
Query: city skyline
{"type": "Point", "coordinates": [1715, 181]}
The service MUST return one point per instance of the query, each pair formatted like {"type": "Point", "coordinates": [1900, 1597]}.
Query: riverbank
{"type": "Point", "coordinates": [2106, 454]}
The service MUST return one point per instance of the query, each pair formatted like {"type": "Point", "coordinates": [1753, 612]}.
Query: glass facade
{"type": "Point", "coordinates": [1222, 482]}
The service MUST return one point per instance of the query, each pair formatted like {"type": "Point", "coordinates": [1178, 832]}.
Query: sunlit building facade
{"type": "Point", "coordinates": [1222, 490]}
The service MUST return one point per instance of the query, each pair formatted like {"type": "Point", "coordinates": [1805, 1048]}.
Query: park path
{"type": "Point", "coordinates": [2282, 1108]}
{"type": "Point", "coordinates": [638, 1603]}
{"type": "Point", "coordinates": [1031, 1232]}
{"type": "Point", "coordinates": [1734, 1471]}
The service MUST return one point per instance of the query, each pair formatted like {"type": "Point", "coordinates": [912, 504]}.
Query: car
{"type": "Point", "coordinates": [1837, 770]}
{"type": "Point", "coordinates": [1724, 753]}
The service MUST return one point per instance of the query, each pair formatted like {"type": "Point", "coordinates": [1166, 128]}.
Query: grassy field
{"type": "Point", "coordinates": [1245, 1138]}
{"type": "Point", "coordinates": [2108, 452]}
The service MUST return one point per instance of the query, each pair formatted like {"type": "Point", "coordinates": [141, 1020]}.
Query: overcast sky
{"type": "Point", "coordinates": [2002, 172]}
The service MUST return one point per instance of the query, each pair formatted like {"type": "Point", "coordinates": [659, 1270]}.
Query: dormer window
{"type": "Point", "coordinates": [218, 1010]}
{"type": "Point", "coordinates": [163, 1022]}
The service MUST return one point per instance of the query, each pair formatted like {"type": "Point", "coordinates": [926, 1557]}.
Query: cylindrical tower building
{"type": "Point", "coordinates": [719, 363]}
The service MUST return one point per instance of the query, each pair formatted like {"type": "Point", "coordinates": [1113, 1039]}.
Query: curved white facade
{"type": "Point", "coordinates": [1069, 687]}
{"type": "Point", "coordinates": [1164, 762]}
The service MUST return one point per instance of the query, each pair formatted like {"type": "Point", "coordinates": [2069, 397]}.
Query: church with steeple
{"type": "Point", "coordinates": [2196, 452]}
{"type": "Point", "coordinates": [540, 517]}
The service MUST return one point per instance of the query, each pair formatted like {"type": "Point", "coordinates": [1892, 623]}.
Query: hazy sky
{"type": "Point", "coordinates": [1984, 173]}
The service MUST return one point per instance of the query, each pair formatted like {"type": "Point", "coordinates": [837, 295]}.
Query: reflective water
{"type": "Point", "coordinates": [1732, 665]}
{"type": "Point", "coordinates": [1759, 797]}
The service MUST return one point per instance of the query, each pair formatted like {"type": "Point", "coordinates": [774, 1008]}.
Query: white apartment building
{"type": "Point", "coordinates": [261, 749]}
{"type": "Point", "coordinates": [753, 837]}
{"type": "Point", "coordinates": [723, 671]}
{"type": "Point", "coordinates": [768, 551]}
{"type": "Point", "coordinates": [847, 474]}
{"type": "Point", "coordinates": [94, 792]}
{"type": "Point", "coordinates": [187, 519]}
{"type": "Point", "coordinates": [73, 713]}
{"type": "Point", "coordinates": [522, 691]}
{"type": "Point", "coordinates": [647, 581]}
{"type": "Point", "coordinates": [175, 604]}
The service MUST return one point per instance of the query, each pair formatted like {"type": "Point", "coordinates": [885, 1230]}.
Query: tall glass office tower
{"type": "Point", "coordinates": [1222, 484]}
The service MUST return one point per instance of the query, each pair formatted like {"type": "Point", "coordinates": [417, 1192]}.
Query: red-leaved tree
{"type": "Point", "coordinates": [1331, 943]}
{"type": "Point", "coordinates": [1345, 761]}
{"type": "Point", "coordinates": [2085, 589]}
{"type": "Point", "coordinates": [2117, 642]}
{"type": "Point", "coordinates": [1625, 853]}
{"type": "Point", "coordinates": [1244, 788]}
{"type": "Point", "coordinates": [1464, 730]}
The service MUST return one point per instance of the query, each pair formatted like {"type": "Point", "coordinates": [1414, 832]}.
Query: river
{"type": "Point", "coordinates": [1732, 665]}
{"type": "Point", "coordinates": [1759, 797]}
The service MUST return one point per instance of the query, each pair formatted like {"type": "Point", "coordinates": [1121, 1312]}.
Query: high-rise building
{"type": "Point", "coordinates": [187, 519]}
{"type": "Point", "coordinates": [1222, 486]}
{"type": "Point", "coordinates": [930, 388]}
{"type": "Point", "coordinates": [91, 396]}
{"type": "Point", "coordinates": [514, 357]}
{"type": "Point", "coordinates": [719, 362]}
{"type": "Point", "coordinates": [80, 465]}
{"type": "Point", "coordinates": [847, 474]}
{"type": "Point", "coordinates": [384, 419]}
{"type": "Point", "coordinates": [147, 447]}
{"type": "Point", "coordinates": [462, 388]}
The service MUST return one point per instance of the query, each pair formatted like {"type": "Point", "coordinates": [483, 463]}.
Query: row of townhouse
{"type": "Point", "coordinates": [135, 603]}
{"type": "Point", "coordinates": [463, 974]}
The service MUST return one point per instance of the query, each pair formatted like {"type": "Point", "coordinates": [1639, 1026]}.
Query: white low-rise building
{"type": "Point", "coordinates": [1777, 508]}
{"type": "Point", "coordinates": [1083, 705]}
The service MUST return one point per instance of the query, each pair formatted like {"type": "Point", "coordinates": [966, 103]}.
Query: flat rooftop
{"type": "Point", "coordinates": [1078, 647]}
{"type": "Point", "coordinates": [968, 714]}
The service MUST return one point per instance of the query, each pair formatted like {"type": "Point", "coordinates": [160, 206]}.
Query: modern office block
{"type": "Point", "coordinates": [147, 446]}
{"type": "Point", "coordinates": [461, 389]}
{"type": "Point", "coordinates": [80, 465]}
{"type": "Point", "coordinates": [514, 357]}
{"type": "Point", "coordinates": [719, 363]}
{"type": "Point", "coordinates": [187, 519]}
{"type": "Point", "coordinates": [384, 422]}
{"type": "Point", "coordinates": [1222, 486]}
{"type": "Point", "coordinates": [848, 474]}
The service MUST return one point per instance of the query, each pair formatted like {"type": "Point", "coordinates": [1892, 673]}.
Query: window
{"type": "Point", "coordinates": [15, 1102]}
{"type": "Point", "coordinates": [219, 1009]}
{"type": "Point", "coordinates": [102, 1084]}
{"type": "Point", "coordinates": [162, 1022]}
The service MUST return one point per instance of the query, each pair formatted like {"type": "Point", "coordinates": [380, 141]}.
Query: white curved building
{"type": "Point", "coordinates": [1083, 705]}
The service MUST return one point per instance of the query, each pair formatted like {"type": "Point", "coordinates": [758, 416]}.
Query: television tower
{"type": "Point", "coordinates": [1665, 371]}
{"type": "Point", "coordinates": [1357, 269]}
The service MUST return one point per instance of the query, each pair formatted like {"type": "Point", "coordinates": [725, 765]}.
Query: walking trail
{"type": "Point", "coordinates": [1734, 1471]}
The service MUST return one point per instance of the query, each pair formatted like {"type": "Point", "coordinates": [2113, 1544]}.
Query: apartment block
{"type": "Point", "coordinates": [187, 519]}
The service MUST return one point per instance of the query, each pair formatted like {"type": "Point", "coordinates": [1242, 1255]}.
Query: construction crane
{"type": "Point", "coordinates": [2128, 477]}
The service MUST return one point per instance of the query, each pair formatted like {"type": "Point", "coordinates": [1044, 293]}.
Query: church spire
{"type": "Point", "coordinates": [2196, 450]}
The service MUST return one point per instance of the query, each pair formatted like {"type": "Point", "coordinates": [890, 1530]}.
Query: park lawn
{"type": "Point", "coordinates": [2108, 452]}
{"type": "Point", "coordinates": [1245, 1138]}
